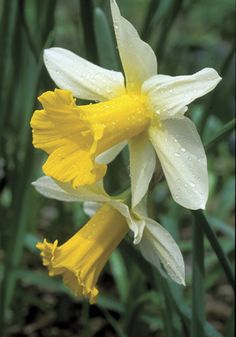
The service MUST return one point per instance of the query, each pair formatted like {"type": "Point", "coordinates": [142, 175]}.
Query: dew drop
{"type": "Point", "coordinates": [177, 154]}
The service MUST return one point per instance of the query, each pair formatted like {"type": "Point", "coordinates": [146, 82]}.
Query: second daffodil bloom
{"type": "Point", "coordinates": [144, 108]}
{"type": "Point", "coordinates": [81, 259]}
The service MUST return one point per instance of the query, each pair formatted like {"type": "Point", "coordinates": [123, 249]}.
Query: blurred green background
{"type": "Point", "coordinates": [135, 301]}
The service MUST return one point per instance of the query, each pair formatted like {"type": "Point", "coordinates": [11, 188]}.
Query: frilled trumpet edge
{"type": "Point", "coordinates": [81, 259]}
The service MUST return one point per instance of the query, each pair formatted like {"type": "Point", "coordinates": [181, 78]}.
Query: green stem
{"type": "Point", "coordinates": [227, 128]}
{"type": "Point", "coordinates": [198, 316]}
{"type": "Point", "coordinates": [201, 220]}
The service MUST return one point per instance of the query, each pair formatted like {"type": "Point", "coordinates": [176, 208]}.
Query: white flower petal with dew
{"type": "Point", "coordinates": [142, 166]}
{"type": "Point", "coordinates": [137, 57]}
{"type": "Point", "coordinates": [158, 245]}
{"type": "Point", "coordinates": [83, 78]}
{"type": "Point", "coordinates": [170, 95]}
{"type": "Point", "coordinates": [65, 192]}
{"type": "Point", "coordinates": [135, 224]}
{"type": "Point", "coordinates": [183, 160]}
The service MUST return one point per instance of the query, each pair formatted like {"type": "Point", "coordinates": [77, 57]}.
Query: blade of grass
{"type": "Point", "coordinates": [86, 7]}
{"type": "Point", "coordinates": [7, 29]}
{"type": "Point", "coordinates": [198, 316]}
{"type": "Point", "coordinates": [152, 8]}
{"type": "Point", "coordinates": [201, 221]}
{"type": "Point", "coordinates": [185, 315]}
{"type": "Point", "coordinates": [212, 99]}
{"type": "Point", "coordinates": [107, 52]}
{"type": "Point", "coordinates": [113, 322]}
{"type": "Point", "coordinates": [120, 274]}
{"type": "Point", "coordinates": [85, 320]}
{"type": "Point", "coordinates": [227, 129]}
{"type": "Point", "coordinates": [137, 309]}
{"type": "Point", "coordinates": [167, 24]}
{"type": "Point", "coordinates": [172, 324]}
{"type": "Point", "coordinates": [224, 228]}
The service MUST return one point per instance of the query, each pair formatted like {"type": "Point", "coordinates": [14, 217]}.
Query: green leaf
{"type": "Point", "coordinates": [198, 316]}
{"type": "Point", "coordinates": [201, 221]}
{"type": "Point", "coordinates": [107, 53]}
{"type": "Point", "coordinates": [120, 274]}
{"type": "Point", "coordinates": [220, 135]}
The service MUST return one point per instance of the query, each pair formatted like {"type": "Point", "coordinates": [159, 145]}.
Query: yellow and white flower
{"type": "Point", "coordinates": [81, 259]}
{"type": "Point", "coordinates": [144, 108]}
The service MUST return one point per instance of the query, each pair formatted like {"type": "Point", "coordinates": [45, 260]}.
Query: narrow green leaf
{"type": "Point", "coordinates": [152, 8]}
{"type": "Point", "coordinates": [86, 7]}
{"type": "Point", "coordinates": [227, 129]}
{"type": "Point", "coordinates": [107, 53]}
{"type": "Point", "coordinates": [41, 280]}
{"type": "Point", "coordinates": [110, 303]}
{"type": "Point", "coordinates": [167, 25]}
{"type": "Point", "coordinates": [116, 326]}
{"type": "Point", "coordinates": [120, 274]}
{"type": "Point", "coordinates": [223, 259]}
{"type": "Point", "coordinates": [198, 317]}
{"type": "Point", "coordinates": [224, 228]}
{"type": "Point", "coordinates": [185, 315]}
{"type": "Point", "coordinates": [212, 100]}
{"type": "Point", "coordinates": [7, 30]}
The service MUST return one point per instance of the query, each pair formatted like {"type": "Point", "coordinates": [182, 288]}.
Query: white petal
{"type": "Point", "coordinates": [109, 155]}
{"type": "Point", "coordinates": [135, 224]}
{"type": "Point", "coordinates": [142, 166]}
{"type": "Point", "coordinates": [90, 207]}
{"type": "Point", "coordinates": [64, 191]}
{"type": "Point", "coordinates": [170, 95]}
{"type": "Point", "coordinates": [49, 189]}
{"type": "Point", "coordinates": [85, 79]}
{"type": "Point", "coordinates": [158, 245]}
{"type": "Point", "coordinates": [183, 161]}
{"type": "Point", "coordinates": [137, 57]}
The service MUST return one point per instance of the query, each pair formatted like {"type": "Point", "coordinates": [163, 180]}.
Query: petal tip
{"type": "Point", "coordinates": [183, 283]}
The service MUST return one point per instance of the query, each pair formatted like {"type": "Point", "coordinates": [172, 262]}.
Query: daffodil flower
{"type": "Point", "coordinates": [81, 259]}
{"type": "Point", "coordinates": [144, 108]}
